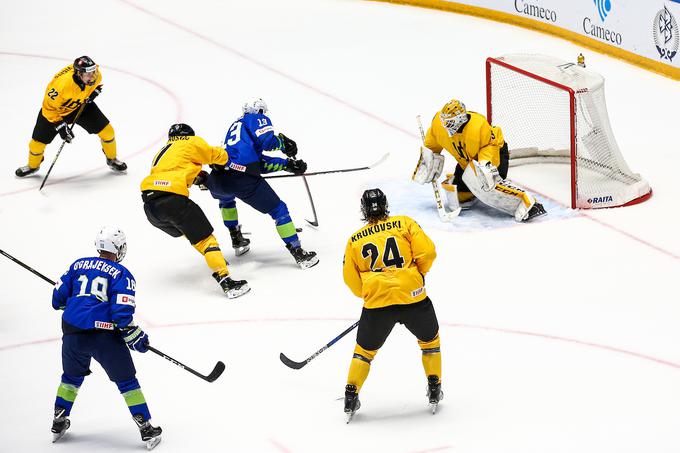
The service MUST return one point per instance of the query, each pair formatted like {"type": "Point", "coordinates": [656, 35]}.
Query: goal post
{"type": "Point", "coordinates": [554, 111]}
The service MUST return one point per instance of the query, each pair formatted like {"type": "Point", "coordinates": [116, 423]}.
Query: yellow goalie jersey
{"type": "Point", "coordinates": [478, 140]}
{"type": "Point", "coordinates": [177, 164]}
{"type": "Point", "coordinates": [63, 95]}
{"type": "Point", "coordinates": [385, 262]}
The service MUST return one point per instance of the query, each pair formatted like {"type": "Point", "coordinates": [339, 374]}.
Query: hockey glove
{"type": "Point", "coordinates": [201, 179]}
{"type": "Point", "coordinates": [64, 131]}
{"type": "Point", "coordinates": [296, 166]}
{"type": "Point", "coordinates": [288, 146]}
{"type": "Point", "coordinates": [94, 94]}
{"type": "Point", "coordinates": [135, 338]}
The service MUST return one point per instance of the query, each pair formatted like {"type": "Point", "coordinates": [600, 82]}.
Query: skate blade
{"type": "Point", "coordinates": [151, 443]}
{"type": "Point", "coordinates": [56, 437]}
{"type": "Point", "coordinates": [309, 263]}
{"type": "Point", "coordinates": [433, 407]}
{"type": "Point", "coordinates": [241, 250]}
{"type": "Point", "coordinates": [237, 292]}
{"type": "Point", "coordinates": [348, 417]}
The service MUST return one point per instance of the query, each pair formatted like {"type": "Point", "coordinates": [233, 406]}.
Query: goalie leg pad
{"type": "Point", "coordinates": [504, 196]}
{"type": "Point", "coordinates": [451, 195]}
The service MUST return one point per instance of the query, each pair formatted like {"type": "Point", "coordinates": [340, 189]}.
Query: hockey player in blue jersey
{"type": "Point", "coordinates": [97, 295]}
{"type": "Point", "coordinates": [247, 138]}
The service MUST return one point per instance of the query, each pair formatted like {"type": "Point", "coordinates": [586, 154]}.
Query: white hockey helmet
{"type": "Point", "coordinates": [453, 115]}
{"type": "Point", "coordinates": [111, 239]}
{"type": "Point", "coordinates": [255, 106]}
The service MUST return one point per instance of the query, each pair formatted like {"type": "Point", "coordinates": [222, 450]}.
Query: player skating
{"type": "Point", "coordinates": [165, 193]}
{"type": "Point", "coordinates": [97, 295]}
{"type": "Point", "coordinates": [482, 163]}
{"type": "Point", "coordinates": [385, 264]}
{"type": "Point", "coordinates": [246, 140]}
{"type": "Point", "coordinates": [73, 87]}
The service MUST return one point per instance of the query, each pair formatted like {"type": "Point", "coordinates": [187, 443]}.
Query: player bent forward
{"type": "Point", "coordinates": [483, 160]}
{"type": "Point", "coordinates": [165, 193]}
{"type": "Point", "coordinates": [97, 295]}
{"type": "Point", "coordinates": [73, 86]}
{"type": "Point", "coordinates": [385, 264]}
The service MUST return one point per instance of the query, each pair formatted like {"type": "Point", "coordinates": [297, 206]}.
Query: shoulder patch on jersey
{"type": "Point", "coordinates": [125, 299]}
{"type": "Point", "coordinates": [264, 130]}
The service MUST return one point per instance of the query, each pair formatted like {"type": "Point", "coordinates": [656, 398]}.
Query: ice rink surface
{"type": "Point", "coordinates": [560, 335]}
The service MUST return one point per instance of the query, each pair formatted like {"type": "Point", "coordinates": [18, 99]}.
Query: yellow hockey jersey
{"type": "Point", "coordinates": [63, 95]}
{"type": "Point", "coordinates": [385, 262]}
{"type": "Point", "coordinates": [177, 164]}
{"type": "Point", "coordinates": [478, 140]}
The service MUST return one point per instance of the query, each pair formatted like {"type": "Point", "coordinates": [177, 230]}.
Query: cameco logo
{"type": "Point", "coordinates": [603, 8]}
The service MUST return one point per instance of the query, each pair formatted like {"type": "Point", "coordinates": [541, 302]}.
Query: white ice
{"type": "Point", "coordinates": [557, 336]}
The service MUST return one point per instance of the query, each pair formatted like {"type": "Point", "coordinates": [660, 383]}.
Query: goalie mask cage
{"type": "Point", "coordinates": [554, 111]}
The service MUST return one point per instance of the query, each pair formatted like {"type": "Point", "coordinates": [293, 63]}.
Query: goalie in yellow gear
{"type": "Point", "coordinates": [482, 163]}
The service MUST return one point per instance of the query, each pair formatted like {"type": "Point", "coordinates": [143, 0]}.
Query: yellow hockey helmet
{"type": "Point", "coordinates": [453, 115]}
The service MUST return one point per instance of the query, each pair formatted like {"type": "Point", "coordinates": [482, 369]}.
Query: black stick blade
{"type": "Point", "coordinates": [314, 224]}
{"type": "Point", "coordinates": [216, 372]}
{"type": "Point", "coordinates": [291, 363]}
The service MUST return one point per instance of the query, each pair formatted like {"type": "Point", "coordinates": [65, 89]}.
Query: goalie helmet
{"type": "Point", "coordinates": [255, 106]}
{"type": "Point", "coordinates": [453, 116]}
{"type": "Point", "coordinates": [374, 205]}
{"type": "Point", "coordinates": [180, 129]}
{"type": "Point", "coordinates": [112, 240]}
{"type": "Point", "coordinates": [86, 69]}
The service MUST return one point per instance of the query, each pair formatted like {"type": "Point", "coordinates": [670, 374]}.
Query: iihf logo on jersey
{"type": "Point", "coordinates": [603, 8]}
{"type": "Point", "coordinates": [666, 34]}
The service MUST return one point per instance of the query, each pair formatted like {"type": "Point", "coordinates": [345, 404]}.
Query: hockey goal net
{"type": "Point", "coordinates": [554, 111]}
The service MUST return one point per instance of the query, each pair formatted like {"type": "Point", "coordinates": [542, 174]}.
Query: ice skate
{"type": "Point", "coordinates": [151, 435]}
{"type": "Point", "coordinates": [232, 288]}
{"type": "Point", "coordinates": [434, 392]}
{"type": "Point", "coordinates": [352, 403]}
{"type": "Point", "coordinates": [304, 259]}
{"type": "Point", "coordinates": [536, 210]}
{"type": "Point", "coordinates": [240, 244]}
{"type": "Point", "coordinates": [25, 171]}
{"type": "Point", "coordinates": [116, 165]}
{"type": "Point", "coordinates": [60, 424]}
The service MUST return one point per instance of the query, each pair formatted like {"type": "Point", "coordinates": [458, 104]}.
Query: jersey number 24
{"type": "Point", "coordinates": [390, 256]}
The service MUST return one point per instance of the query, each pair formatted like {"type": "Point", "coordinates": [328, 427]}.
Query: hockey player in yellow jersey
{"type": "Point", "coordinates": [482, 163]}
{"type": "Point", "coordinates": [385, 264]}
{"type": "Point", "coordinates": [74, 87]}
{"type": "Point", "coordinates": [165, 193]}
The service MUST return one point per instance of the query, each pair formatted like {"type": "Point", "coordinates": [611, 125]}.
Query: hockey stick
{"type": "Point", "coordinates": [315, 223]}
{"type": "Point", "coordinates": [27, 267]}
{"type": "Point", "coordinates": [80, 110]}
{"type": "Point", "coordinates": [297, 365]}
{"type": "Point", "coordinates": [214, 374]}
{"type": "Point", "coordinates": [343, 170]}
{"type": "Point", "coordinates": [443, 215]}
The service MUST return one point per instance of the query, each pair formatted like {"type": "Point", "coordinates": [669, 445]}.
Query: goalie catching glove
{"type": "Point", "coordinates": [430, 166]}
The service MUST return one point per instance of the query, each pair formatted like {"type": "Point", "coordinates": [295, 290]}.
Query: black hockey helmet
{"type": "Point", "coordinates": [374, 205]}
{"type": "Point", "coordinates": [180, 129]}
{"type": "Point", "coordinates": [85, 65]}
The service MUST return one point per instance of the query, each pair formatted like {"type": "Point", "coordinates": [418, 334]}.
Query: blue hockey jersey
{"type": "Point", "coordinates": [95, 293]}
{"type": "Point", "coordinates": [246, 139]}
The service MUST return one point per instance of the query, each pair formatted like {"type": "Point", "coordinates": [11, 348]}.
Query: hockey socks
{"type": "Point", "coordinates": [360, 366]}
{"type": "Point", "coordinates": [108, 139]}
{"type": "Point", "coordinates": [134, 398]}
{"type": "Point", "coordinates": [432, 356]}
{"type": "Point", "coordinates": [67, 392]}
{"type": "Point", "coordinates": [210, 250]}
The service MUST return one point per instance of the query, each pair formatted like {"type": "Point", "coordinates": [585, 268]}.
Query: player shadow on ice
{"type": "Point", "coordinates": [417, 201]}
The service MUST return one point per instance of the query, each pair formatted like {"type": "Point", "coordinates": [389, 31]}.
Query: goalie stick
{"type": "Point", "coordinates": [297, 365]}
{"type": "Point", "coordinates": [325, 172]}
{"type": "Point", "coordinates": [214, 374]}
{"type": "Point", "coordinates": [443, 215]}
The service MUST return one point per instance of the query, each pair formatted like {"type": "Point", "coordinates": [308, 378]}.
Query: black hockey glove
{"type": "Point", "coordinates": [135, 338]}
{"type": "Point", "coordinates": [201, 179]}
{"type": "Point", "coordinates": [289, 146]}
{"type": "Point", "coordinates": [64, 131]}
{"type": "Point", "coordinates": [296, 166]}
{"type": "Point", "coordinates": [95, 93]}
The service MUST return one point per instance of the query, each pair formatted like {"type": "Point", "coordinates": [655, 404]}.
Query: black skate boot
{"type": "Point", "coordinates": [434, 392]}
{"type": "Point", "coordinates": [536, 210]}
{"type": "Point", "coordinates": [241, 245]}
{"type": "Point", "coordinates": [304, 259]}
{"type": "Point", "coordinates": [232, 288]}
{"type": "Point", "coordinates": [352, 403]}
{"type": "Point", "coordinates": [25, 171]}
{"type": "Point", "coordinates": [150, 434]}
{"type": "Point", "coordinates": [116, 165]}
{"type": "Point", "coordinates": [60, 424]}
